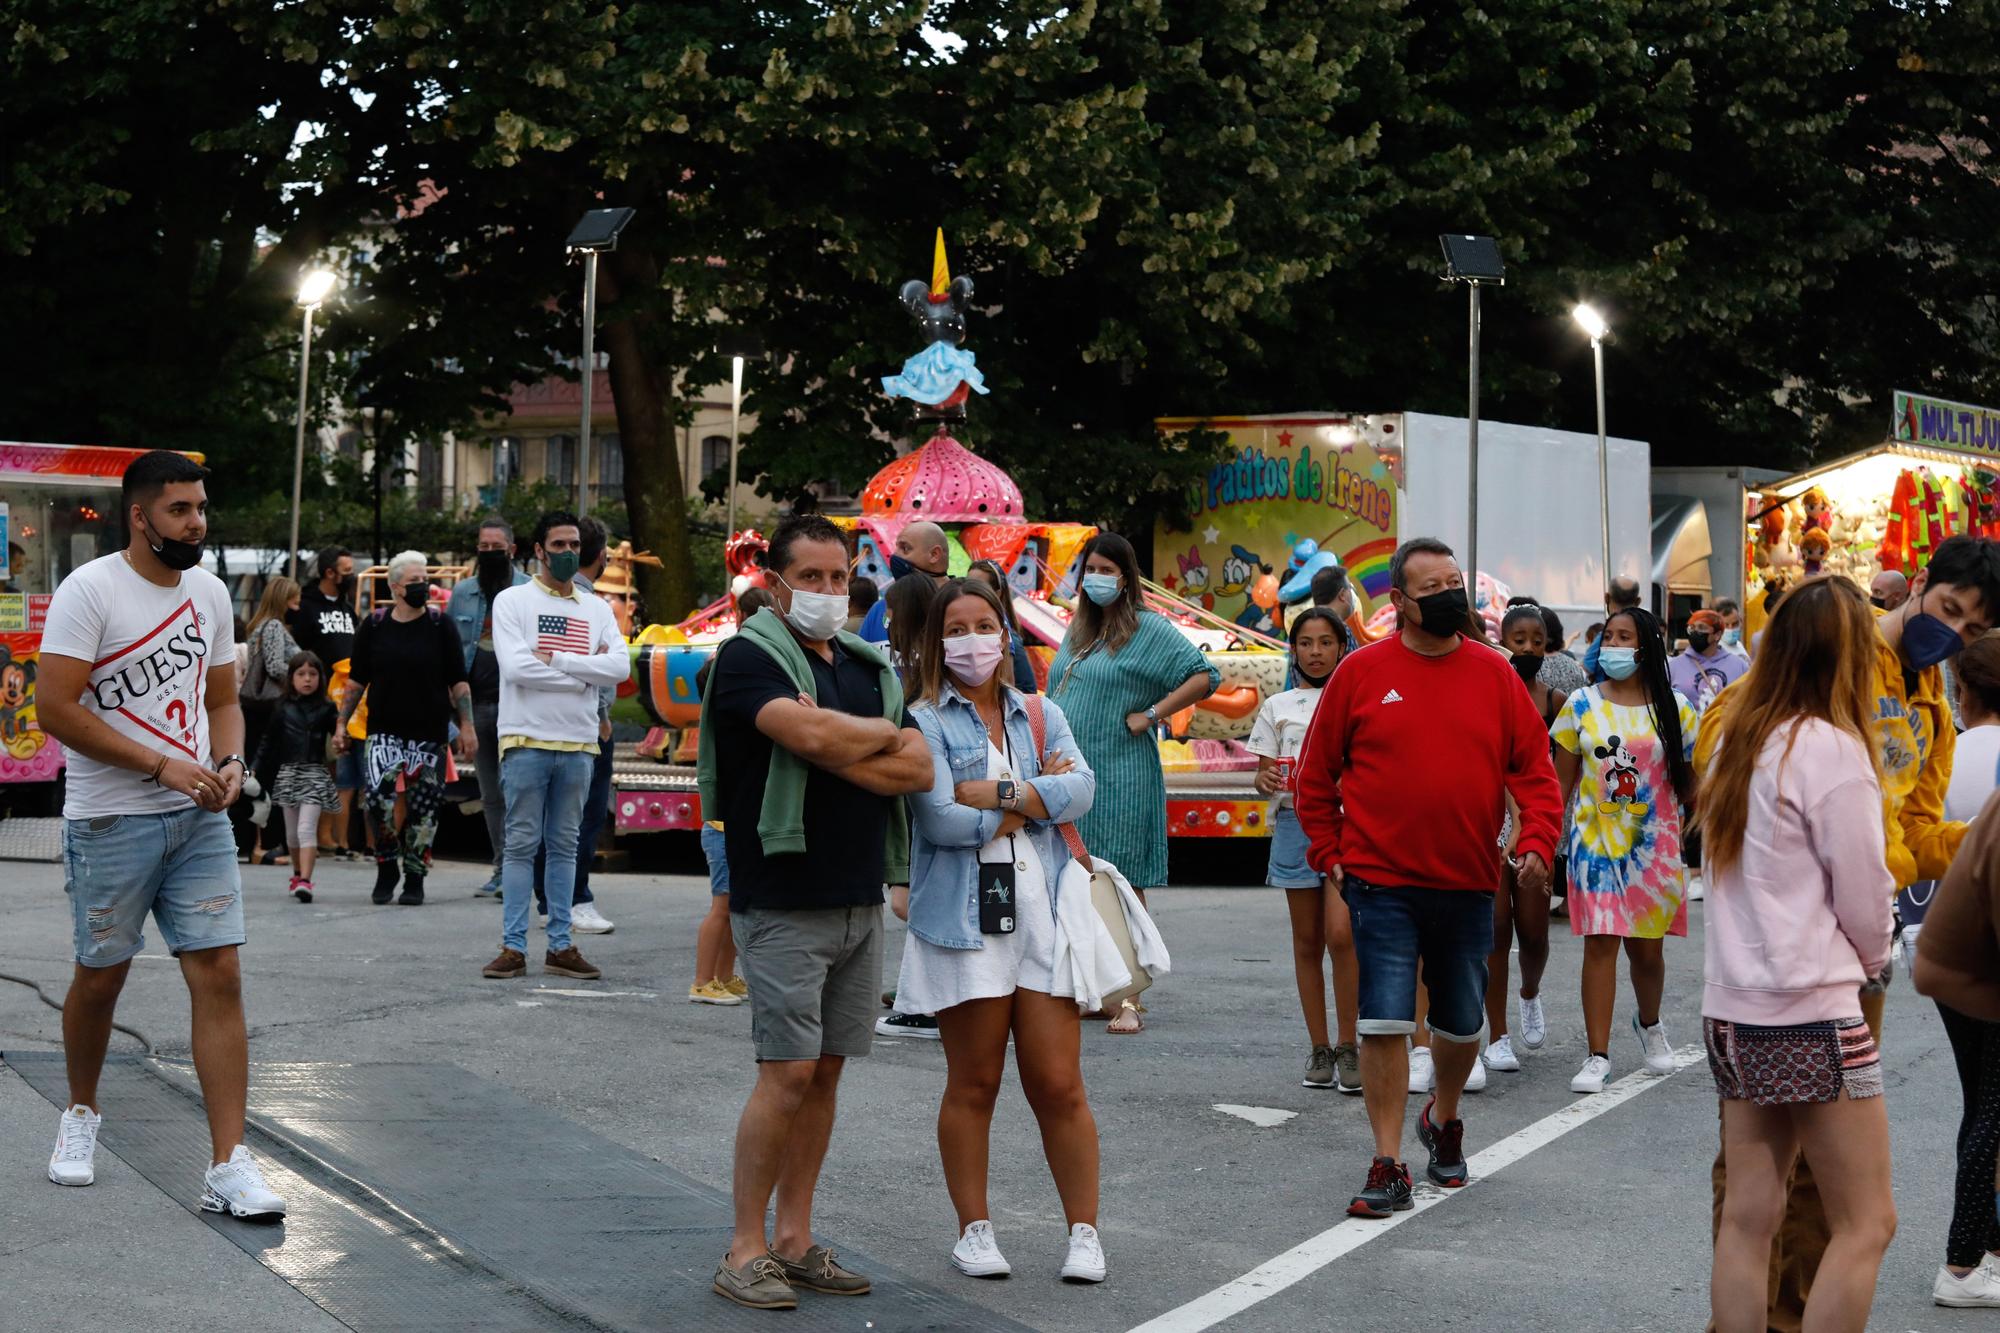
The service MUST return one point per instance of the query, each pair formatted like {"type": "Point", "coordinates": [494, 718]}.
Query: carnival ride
{"type": "Point", "coordinates": [1210, 774]}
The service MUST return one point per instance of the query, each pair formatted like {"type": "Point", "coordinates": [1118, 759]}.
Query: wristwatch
{"type": "Point", "coordinates": [1005, 794]}
{"type": "Point", "coordinates": [229, 759]}
{"type": "Point", "coordinates": [1152, 713]}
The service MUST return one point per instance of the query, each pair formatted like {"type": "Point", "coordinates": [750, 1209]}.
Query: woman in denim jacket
{"type": "Point", "coordinates": [989, 819]}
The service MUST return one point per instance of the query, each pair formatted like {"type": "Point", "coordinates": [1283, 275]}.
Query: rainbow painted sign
{"type": "Point", "coordinates": [1940, 423]}
{"type": "Point", "coordinates": [1284, 479]}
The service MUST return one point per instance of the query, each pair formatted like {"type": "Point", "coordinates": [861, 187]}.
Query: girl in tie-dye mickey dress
{"type": "Point", "coordinates": [1628, 783]}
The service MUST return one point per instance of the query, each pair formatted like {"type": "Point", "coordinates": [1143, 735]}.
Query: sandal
{"type": "Point", "coordinates": [1127, 1010]}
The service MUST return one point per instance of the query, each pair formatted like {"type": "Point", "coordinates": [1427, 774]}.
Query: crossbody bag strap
{"type": "Point", "coordinates": [1036, 723]}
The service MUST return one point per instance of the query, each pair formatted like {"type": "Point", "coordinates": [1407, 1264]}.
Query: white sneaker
{"type": "Point", "coordinates": [977, 1254]}
{"type": "Point", "coordinates": [585, 919]}
{"type": "Point", "coordinates": [1422, 1072]}
{"type": "Point", "coordinates": [1591, 1077]}
{"type": "Point", "coordinates": [238, 1187]}
{"type": "Point", "coordinates": [1534, 1024]}
{"type": "Point", "coordinates": [1659, 1051]}
{"type": "Point", "coordinates": [1476, 1080]}
{"type": "Point", "coordinates": [1978, 1289]}
{"type": "Point", "coordinates": [1085, 1262]}
{"type": "Point", "coordinates": [76, 1145]}
{"type": "Point", "coordinates": [1500, 1057]}
{"type": "Point", "coordinates": [1696, 890]}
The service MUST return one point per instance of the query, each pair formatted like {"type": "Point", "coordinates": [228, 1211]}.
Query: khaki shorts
{"type": "Point", "coordinates": [814, 978]}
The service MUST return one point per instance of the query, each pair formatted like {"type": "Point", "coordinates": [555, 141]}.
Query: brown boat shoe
{"type": "Point", "coordinates": [816, 1271]}
{"type": "Point", "coordinates": [569, 963]}
{"type": "Point", "coordinates": [510, 963]}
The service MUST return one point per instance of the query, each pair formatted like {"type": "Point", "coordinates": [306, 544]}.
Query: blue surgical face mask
{"type": "Point", "coordinates": [1101, 588]}
{"type": "Point", "coordinates": [1732, 637]}
{"type": "Point", "coordinates": [1927, 640]}
{"type": "Point", "coordinates": [1618, 663]}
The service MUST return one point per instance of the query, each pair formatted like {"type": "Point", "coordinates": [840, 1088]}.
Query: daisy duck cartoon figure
{"type": "Point", "coordinates": [943, 375]}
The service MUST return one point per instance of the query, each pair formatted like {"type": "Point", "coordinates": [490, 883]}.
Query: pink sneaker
{"type": "Point", "coordinates": [302, 889]}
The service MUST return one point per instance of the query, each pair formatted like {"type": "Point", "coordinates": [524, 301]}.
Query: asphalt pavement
{"type": "Point", "coordinates": [1598, 1219]}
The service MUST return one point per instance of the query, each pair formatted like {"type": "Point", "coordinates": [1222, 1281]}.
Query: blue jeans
{"type": "Point", "coordinates": [545, 790]}
{"type": "Point", "coordinates": [596, 806]}
{"type": "Point", "coordinates": [179, 866]}
{"type": "Point", "coordinates": [1449, 930]}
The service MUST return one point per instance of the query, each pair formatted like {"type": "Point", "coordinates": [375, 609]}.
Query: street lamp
{"type": "Point", "coordinates": [739, 346]}
{"type": "Point", "coordinates": [1474, 261]}
{"type": "Point", "coordinates": [1593, 325]}
{"type": "Point", "coordinates": [596, 234]}
{"type": "Point", "coordinates": [314, 288]}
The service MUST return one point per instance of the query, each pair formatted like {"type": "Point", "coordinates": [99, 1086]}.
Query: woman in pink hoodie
{"type": "Point", "coordinates": [1798, 921]}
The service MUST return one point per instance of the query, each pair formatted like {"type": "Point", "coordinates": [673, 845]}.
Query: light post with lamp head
{"type": "Point", "coordinates": [1474, 261]}
{"type": "Point", "coordinates": [596, 234]}
{"type": "Point", "coordinates": [314, 288]}
{"type": "Point", "coordinates": [738, 345]}
{"type": "Point", "coordinates": [1593, 324]}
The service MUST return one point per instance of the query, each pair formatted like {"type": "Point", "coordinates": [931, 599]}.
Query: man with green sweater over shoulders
{"type": "Point", "coordinates": [805, 749]}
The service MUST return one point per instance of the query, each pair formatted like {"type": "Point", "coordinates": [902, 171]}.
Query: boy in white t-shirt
{"type": "Point", "coordinates": [1319, 918]}
{"type": "Point", "coordinates": [138, 681]}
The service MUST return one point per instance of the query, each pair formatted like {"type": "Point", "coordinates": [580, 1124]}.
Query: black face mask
{"type": "Point", "coordinates": [347, 586]}
{"type": "Point", "coordinates": [1444, 612]}
{"type": "Point", "coordinates": [1309, 680]}
{"type": "Point", "coordinates": [172, 553]}
{"type": "Point", "coordinates": [1528, 666]}
{"type": "Point", "coordinates": [1879, 603]}
{"type": "Point", "coordinates": [899, 567]}
{"type": "Point", "coordinates": [494, 566]}
{"type": "Point", "coordinates": [1698, 641]}
{"type": "Point", "coordinates": [417, 595]}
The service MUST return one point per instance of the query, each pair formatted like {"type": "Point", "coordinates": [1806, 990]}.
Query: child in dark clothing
{"type": "Point", "coordinates": [291, 764]}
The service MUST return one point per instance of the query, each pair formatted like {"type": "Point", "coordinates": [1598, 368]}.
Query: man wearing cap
{"type": "Point", "coordinates": [1707, 667]}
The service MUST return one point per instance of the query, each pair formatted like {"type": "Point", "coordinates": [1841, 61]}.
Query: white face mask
{"type": "Point", "coordinates": [818, 616]}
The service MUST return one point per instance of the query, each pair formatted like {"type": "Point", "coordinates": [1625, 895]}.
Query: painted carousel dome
{"type": "Point", "coordinates": [945, 482]}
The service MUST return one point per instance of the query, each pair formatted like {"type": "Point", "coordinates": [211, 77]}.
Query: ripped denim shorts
{"type": "Point", "coordinates": [180, 866]}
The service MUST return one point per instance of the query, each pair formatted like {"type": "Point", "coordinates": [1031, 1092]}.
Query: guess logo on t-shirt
{"type": "Point", "coordinates": [157, 682]}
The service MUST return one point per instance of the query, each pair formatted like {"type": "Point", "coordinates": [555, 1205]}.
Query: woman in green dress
{"type": "Point", "coordinates": [1121, 671]}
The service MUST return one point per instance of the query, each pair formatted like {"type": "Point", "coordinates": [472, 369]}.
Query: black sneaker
{"type": "Point", "coordinates": [413, 891]}
{"type": "Point", "coordinates": [1446, 1144]}
{"type": "Point", "coordinates": [907, 1025]}
{"type": "Point", "coordinates": [1387, 1190]}
{"type": "Point", "coordinates": [386, 875]}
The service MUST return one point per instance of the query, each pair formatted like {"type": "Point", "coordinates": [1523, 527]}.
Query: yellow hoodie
{"type": "Point", "coordinates": [1915, 737]}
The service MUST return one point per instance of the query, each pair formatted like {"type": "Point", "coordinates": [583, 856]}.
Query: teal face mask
{"type": "Point", "coordinates": [1619, 663]}
{"type": "Point", "coordinates": [561, 565]}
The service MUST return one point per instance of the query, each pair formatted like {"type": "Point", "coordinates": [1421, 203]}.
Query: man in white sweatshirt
{"type": "Point", "coordinates": [556, 646]}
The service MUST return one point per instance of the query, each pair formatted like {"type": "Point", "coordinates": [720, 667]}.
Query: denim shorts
{"type": "Point", "coordinates": [717, 852]}
{"type": "Point", "coordinates": [347, 768]}
{"type": "Point", "coordinates": [1451, 930]}
{"type": "Point", "coordinates": [180, 866]}
{"type": "Point", "coordinates": [814, 978]}
{"type": "Point", "coordinates": [1289, 844]}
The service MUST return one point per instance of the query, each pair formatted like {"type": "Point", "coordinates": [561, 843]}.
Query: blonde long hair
{"type": "Point", "coordinates": [277, 599]}
{"type": "Point", "coordinates": [1816, 660]}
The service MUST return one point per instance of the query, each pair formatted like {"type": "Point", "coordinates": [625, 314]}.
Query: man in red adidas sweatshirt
{"type": "Point", "coordinates": [1400, 789]}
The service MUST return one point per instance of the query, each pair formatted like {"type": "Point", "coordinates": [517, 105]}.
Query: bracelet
{"type": "Point", "coordinates": [158, 769]}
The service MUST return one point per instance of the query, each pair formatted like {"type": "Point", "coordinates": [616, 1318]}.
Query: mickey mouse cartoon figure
{"type": "Point", "coordinates": [17, 694]}
{"type": "Point", "coordinates": [1621, 779]}
{"type": "Point", "coordinates": [942, 375]}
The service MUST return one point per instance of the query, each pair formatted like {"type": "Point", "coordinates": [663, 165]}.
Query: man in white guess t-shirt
{"type": "Point", "coordinates": [138, 682]}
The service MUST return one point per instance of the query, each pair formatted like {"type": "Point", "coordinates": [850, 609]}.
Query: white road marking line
{"type": "Point", "coordinates": [1264, 1117]}
{"type": "Point", "coordinates": [1308, 1257]}
{"type": "Point", "coordinates": [595, 994]}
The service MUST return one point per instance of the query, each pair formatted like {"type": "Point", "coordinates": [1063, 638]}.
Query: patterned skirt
{"type": "Point", "coordinates": [1788, 1066]}
{"type": "Point", "coordinates": [306, 784]}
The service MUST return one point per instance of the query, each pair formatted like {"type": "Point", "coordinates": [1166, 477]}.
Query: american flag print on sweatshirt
{"type": "Point", "coordinates": [562, 634]}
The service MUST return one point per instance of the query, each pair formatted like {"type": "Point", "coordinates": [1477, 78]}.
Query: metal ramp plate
{"type": "Point", "coordinates": [30, 839]}
{"type": "Point", "coordinates": [423, 1197]}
